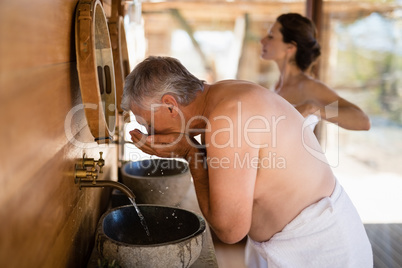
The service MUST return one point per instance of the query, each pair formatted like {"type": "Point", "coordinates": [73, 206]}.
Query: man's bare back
{"type": "Point", "coordinates": [288, 178]}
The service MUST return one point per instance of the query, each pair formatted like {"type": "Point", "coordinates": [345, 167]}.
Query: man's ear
{"type": "Point", "coordinates": [170, 104]}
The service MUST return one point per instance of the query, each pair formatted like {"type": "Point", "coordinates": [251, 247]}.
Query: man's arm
{"type": "Point", "coordinates": [224, 172]}
{"type": "Point", "coordinates": [224, 176]}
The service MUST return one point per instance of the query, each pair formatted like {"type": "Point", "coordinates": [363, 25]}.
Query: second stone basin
{"type": "Point", "coordinates": [175, 240]}
{"type": "Point", "coordinates": [157, 181]}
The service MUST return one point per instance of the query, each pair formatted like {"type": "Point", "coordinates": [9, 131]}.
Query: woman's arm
{"type": "Point", "coordinates": [332, 107]}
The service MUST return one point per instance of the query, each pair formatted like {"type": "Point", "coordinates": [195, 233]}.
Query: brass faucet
{"type": "Point", "coordinates": [91, 162]}
{"type": "Point", "coordinates": [82, 174]}
{"type": "Point", "coordinates": [114, 184]}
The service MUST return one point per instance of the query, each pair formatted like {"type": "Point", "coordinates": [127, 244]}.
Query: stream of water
{"type": "Point", "coordinates": [142, 219]}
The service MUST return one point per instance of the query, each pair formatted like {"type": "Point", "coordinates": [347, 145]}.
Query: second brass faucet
{"type": "Point", "coordinates": [91, 162]}
{"type": "Point", "coordinates": [82, 172]}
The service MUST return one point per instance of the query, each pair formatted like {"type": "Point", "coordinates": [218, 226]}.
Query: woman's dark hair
{"type": "Point", "coordinates": [300, 30]}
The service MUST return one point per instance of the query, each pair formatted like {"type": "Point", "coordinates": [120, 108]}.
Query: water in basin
{"type": "Point", "coordinates": [165, 225]}
{"type": "Point", "coordinates": [176, 237]}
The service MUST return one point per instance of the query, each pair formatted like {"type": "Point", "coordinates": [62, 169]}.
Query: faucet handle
{"type": "Point", "coordinates": [93, 174]}
{"type": "Point", "coordinates": [100, 162]}
{"type": "Point", "coordinates": [83, 173]}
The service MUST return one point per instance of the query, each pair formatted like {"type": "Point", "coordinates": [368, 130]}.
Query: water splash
{"type": "Point", "coordinates": [142, 219]}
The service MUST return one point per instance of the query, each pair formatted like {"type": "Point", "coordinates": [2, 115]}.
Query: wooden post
{"type": "Point", "coordinates": [314, 11]}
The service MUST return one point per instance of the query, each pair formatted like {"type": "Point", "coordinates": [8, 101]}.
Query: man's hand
{"type": "Point", "coordinates": [163, 145]}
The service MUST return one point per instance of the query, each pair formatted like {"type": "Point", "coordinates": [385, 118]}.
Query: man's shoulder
{"type": "Point", "coordinates": [247, 104]}
{"type": "Point", "coordinates": [231, 95]}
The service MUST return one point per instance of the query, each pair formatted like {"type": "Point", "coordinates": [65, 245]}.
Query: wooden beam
{"type": "Point", "coordinates": [221, 16]}
{"type": "Point", "coordinates": [182, 21]}
{"type": "Point", "coordinates": [195, 11]}
{"type": "Point", "coordinates": [210, 11]}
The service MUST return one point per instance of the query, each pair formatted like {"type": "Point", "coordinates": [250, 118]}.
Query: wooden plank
{"type": "Point", "coordinates": [46, 220]}
{"type": "Point", "coordinates": [386, 236]}
{"type": "Point", "coordinates": [36, 33]}
{"type": "Point", "coordinates": [385, 244]}
{"type": "Point", "coordinates": [78, 237]}
{"type": "Point", "coordinates": [41, 219]}
{"type": "Point", "coordinates": [379, 260]}
{"type": "Point", "coordinates": [34, 108]}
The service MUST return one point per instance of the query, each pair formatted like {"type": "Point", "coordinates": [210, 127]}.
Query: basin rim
{"type": "Point", "coordinates": [183, 174]}
{"type": "Point", "coordinates": [200, 231]}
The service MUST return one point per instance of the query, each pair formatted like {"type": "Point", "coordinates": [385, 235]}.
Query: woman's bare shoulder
{"type": "Point", "coordinates": [314, 87]}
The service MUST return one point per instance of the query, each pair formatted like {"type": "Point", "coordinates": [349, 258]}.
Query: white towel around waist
{"type": "Point", "coordinates": [328, 233]}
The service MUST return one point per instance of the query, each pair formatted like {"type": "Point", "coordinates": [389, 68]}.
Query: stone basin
{"type": "Point", "coordinates": [176, 236]}
{"type": "Point", "coordinates": [157, 181]}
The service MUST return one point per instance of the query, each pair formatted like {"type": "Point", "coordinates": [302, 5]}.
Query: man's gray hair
{"type": "Point", "coordinates": [155, 77]}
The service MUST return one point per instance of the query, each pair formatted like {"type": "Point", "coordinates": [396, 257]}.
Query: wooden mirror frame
{"type": "Point", "coordinates": [96, 69]}
{"type": "Point", "coordinates": [120, 55]}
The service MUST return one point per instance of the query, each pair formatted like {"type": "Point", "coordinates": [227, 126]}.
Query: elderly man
{"type": "Point", "coordinates": [258, 172]}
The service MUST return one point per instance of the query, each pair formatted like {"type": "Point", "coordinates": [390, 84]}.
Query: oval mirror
{"type": "Point", "coordinates": [120, 55]}
{"type": "Point", "coordinates": [95, 69]}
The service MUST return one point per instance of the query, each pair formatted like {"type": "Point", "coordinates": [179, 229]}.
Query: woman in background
{"type": "Point", "coordinates": [291, 43]}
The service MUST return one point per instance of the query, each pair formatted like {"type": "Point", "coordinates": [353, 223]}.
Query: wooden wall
{"type": "Point", "coordinates": [45, 220]}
